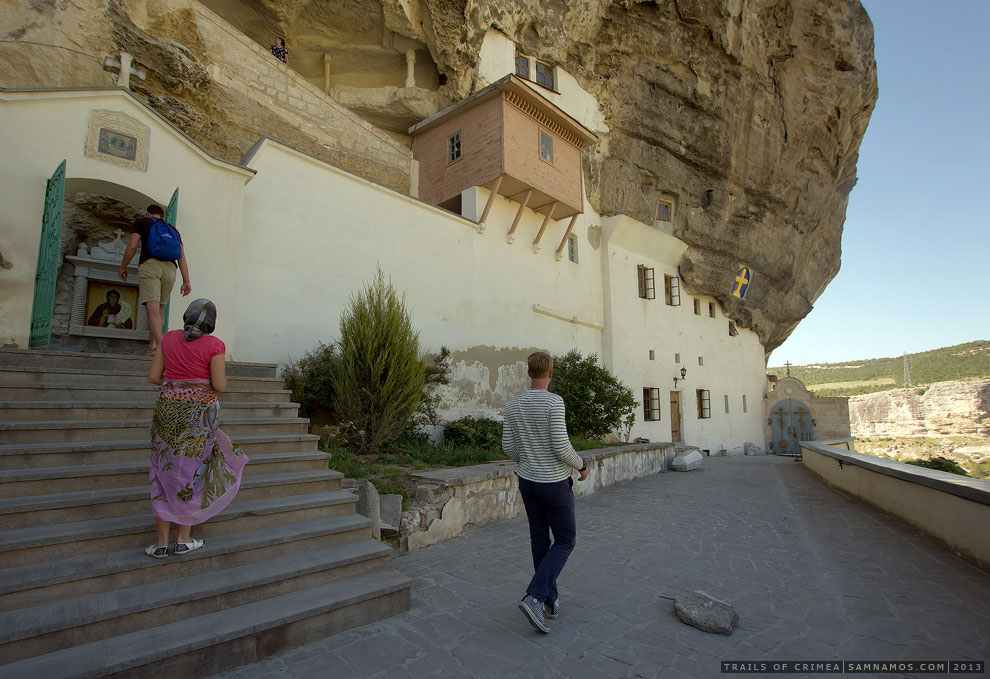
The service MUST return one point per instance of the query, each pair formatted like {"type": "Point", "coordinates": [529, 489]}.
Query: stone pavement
{"type": "Point", "coordinates": [813, 574]}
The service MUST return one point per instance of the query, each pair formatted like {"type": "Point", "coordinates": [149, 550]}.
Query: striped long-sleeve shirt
{"type": "Point", "coordinates": [534, 435]}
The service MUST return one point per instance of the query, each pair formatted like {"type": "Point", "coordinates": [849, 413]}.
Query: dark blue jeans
{"type": "Point", "coordinates": [549, 508]}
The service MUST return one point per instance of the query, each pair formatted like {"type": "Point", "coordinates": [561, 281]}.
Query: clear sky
{"type": "Point", "coordinates": [916, 242]}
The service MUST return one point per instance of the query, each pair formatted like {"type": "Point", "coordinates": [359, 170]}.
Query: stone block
{"type": "Point", "coordinates": [391, 512]}
{"type": "Point", "coordinates": [369, 506]}
{"type": "Point", "coordinates": [752, 449]}
{"type": "Point", "coordinates": [687, 461]}
{"type": "Point", "coordinates": [705, 612]}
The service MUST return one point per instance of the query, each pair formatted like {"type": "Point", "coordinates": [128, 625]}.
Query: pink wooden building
{"type": "Point", "coordinates": [511, 140]}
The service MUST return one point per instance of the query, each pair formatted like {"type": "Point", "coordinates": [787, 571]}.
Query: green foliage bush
{"type": "Point", "coordinates": [378, 374]}
{"type": "Point", "coordinates": [943, 464]}
{"type": "Point", "coordinates": [474, 432]}
{"type": "Point", "coordinates": [309, 379]}
{"type": "Point", "coordinates": [597, 402]}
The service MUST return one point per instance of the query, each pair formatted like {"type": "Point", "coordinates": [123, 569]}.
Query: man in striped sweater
{"type": "Point", "coordinates": [534, 435]}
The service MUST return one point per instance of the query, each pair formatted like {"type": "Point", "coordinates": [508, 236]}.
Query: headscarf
{"type": "Point", "coordinates": [199, 319]}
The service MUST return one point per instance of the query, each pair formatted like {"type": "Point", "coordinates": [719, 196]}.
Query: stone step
{"type": "Point", "coordinates": [106, 379]}
{"type": "Point", "coordinates": [212, 643]}
{"type": "Point", "coordinates": [40, 544]}
{"type": "Point", "coordinates": [73, 431]}
{"type": "Point", "coordinates": [45, 510]}
{"type": "Point", "coordinates": [132, 393]}
{"type": "Point", "coordinates": [77, 360]}
{"type": "Point", "coordinates": [42, 629]}
{"type": "Point", "coordinates": [42, 480]}
{"type": "Point", "coordinates": [140, 409]}
{"type": "Point", "coordinates": [23, 455]}
{"type": "Point", "coordinates": [68, 578]}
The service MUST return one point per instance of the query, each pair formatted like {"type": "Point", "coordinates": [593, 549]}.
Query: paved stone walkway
{"type": "Point", "coordinates": [813, 575]}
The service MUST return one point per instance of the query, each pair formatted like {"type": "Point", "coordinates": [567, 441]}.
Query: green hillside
{"type": "Point", "coordinates": [963, 361]}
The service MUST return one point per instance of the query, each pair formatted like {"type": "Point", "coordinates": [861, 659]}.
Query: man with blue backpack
{"type": "Point", "coordinates": [161, 254]}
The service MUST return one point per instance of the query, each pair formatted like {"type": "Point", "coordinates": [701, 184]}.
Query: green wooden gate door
{"type": "Point", "coordinates": [49, 259]}
{"type": "Point", "coordinates": [170, 214]}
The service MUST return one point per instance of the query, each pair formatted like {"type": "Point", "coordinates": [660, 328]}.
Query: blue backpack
{"type": "Point", "coordinates": [163, 241]}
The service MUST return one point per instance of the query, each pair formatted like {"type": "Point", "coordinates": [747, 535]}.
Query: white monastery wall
{"type": "Point", "coordinates": [41, 129]}
{"type": "Point", "coordinates": [313, 235]}
{"type": "Point", "coordinates": [730, 366]}
{"type": "Point", "coordinates": [282, 252]}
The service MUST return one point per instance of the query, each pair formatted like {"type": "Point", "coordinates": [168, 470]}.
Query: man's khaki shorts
{"type": "Point", "coordinates": [157, 278]}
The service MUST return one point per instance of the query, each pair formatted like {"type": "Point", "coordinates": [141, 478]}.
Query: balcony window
{"type": "Point", "coordinates": [651, 404]}
{"type": "Point", "coordinates": [544, 75]}
{"type": "Point", "coordinates": [546, 147]}
{"type": "Point", "coordinates": [704, 404]}
{"type": "Point", "coordinates": [646, 288]}
{"type": "Point", "coordinates": [522, 66]}
{"type": "Point", "coordinates": [671, 291]}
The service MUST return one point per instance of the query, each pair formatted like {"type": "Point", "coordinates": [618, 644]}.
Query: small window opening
{"type": "Point", "coordinates": [454, 147]}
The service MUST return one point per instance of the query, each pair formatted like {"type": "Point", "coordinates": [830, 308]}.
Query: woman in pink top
{"type": "Point", "coordinates": [195, 468]}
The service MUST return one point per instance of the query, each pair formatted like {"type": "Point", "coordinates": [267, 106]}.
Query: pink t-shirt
{"type": "Point", "coordinates": [189, 360]}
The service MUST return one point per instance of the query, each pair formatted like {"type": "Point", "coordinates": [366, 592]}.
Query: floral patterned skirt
{"type": "Point", "coordinates": [195, 468]}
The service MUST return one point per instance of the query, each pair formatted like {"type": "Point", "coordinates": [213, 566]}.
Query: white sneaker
{"type": "Point", "coordinates": [186, 547]}
{"type": "Point", "coordinates": [156, 552]}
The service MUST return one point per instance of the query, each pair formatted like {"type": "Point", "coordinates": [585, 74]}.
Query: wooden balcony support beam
{"type": "Point", "coordinates": [515, 222]}
{"type": "Point", "coordinates": [563, 241]}
{"type": "Point", "coordinates": [488, 205]}
{"type": "Point", "coordinates": [546, 220]}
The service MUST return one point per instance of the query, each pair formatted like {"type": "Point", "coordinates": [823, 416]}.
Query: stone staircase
{"type": "Point", "coordinates": [287, 562]}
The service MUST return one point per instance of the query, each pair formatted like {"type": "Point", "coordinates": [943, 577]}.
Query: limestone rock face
{"type": "Point", "coordinates": [749, 113]}
{"type": "Point", "coordinates": [960, 408]}
{"type": "Point", "coordinates": [746, 114]}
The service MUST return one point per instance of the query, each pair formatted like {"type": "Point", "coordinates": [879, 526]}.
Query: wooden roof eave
{"type": "Point", "coordinates": [516, 85]}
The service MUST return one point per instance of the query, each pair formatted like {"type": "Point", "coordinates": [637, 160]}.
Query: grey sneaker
{"type": "Point", "coordinates": [534, 613]}
{"type": "Point", "coordinates": [552, 610]}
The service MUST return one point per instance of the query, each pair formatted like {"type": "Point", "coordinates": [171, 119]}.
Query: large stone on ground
{"type": "Point", "coordinates": [687, 461]}
{"type": "Point", "coordinates": [704, 612]}
{"type": "Point", "coordinates": [391, 513]}
{"type": "Point", "coordinates": [369, 506]}
{"type": "Point", "coordinates": [752, 449]}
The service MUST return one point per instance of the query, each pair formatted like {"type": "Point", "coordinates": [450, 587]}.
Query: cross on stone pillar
{"type": "Point", "coordinates": [411, 68]}
{"type": "Point", "coordinates": [123, 68]}
{"type": "Point", "coordinates": [787, 364]}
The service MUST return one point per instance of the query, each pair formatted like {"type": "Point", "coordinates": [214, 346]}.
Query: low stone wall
{"type": "Point", "coordinates": [450, 500]}
{"type": "Point", "coordinates": [953, 509]}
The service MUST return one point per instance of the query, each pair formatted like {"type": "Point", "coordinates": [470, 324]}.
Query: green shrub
{"type": "Point", "coordinates": [379, 375]}
{"type": "Point", "coordinates": [597, 402]}
{"type": "Point", "coordinates": [943, 464]}
{"type": "Point", "coordinates": [474, 432]}
{"type": "Point", "coordinates": [435, 374]}
{"type": "Point", "coordinates": [309, 379]}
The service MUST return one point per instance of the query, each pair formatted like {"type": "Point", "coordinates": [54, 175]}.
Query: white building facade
{"type": "Point", "coordinates": [281, 241]}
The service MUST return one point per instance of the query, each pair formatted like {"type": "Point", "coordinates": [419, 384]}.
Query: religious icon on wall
{"type": "Point", "coordinates": [117, 144]}
{"type": "Point", "coordinates": [741, 283]}
{"type": "Point", "coordinates": [111, 305]}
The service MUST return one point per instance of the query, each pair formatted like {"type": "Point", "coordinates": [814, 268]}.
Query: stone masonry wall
{"type": "Point", "coordinates": [450, 500]}
{"type": "Point", "coordinates": [831, 416]}
{"type": "Point", "coordinates": [241, 65]}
